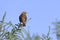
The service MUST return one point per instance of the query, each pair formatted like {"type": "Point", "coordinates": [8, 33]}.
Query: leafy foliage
{"type": "Point", "coordinates": [57, 28]}
{"type": "Point", "coordinates": [18, 32]}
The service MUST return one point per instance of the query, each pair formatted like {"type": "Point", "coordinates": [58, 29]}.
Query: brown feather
{"type": "Point", "coordinates": [23, 18]}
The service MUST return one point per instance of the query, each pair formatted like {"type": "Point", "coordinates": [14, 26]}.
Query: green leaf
{"type": "Point", "coordinates": [4, 17]}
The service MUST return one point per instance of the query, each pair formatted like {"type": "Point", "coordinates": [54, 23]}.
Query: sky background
{"type": "Point", "coordinates": [42, 12]}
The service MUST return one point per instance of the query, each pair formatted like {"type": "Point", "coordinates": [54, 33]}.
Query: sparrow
{"type": "Point", "coordinates": [23, 18]}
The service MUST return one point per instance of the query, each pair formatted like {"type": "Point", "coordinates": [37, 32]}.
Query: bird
{"type": "Point", "coordinates": [23, 18]}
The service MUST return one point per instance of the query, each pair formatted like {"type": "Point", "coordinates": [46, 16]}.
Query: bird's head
{"type": "Point", "coordinates": [24, 13]}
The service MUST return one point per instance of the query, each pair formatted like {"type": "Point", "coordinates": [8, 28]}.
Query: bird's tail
{"type": "Point", "coordinates": [24, 24]}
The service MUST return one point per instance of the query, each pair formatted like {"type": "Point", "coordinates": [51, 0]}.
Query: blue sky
{"type": "Point", "coordinates": [42, 12]}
